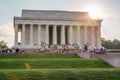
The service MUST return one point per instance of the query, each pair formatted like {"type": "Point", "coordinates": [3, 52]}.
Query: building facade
{"type": "Point", "coordinates": [56, 27]}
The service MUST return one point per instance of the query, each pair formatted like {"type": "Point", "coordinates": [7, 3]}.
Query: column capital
{"type": "Point", "coordinates": [79, 25]}
{"type": "Point", "coordinates": [16, 24]}
{"type": "Point", "coordinates": [71, 25]}
{"type": "Point", "coordinates": [55, 25]}
{"type": "Point", "coordinates": [64, 25]}
{"type": "Point", "coordinates": [23, 24]}
{"type": "Point", "coordinates": [31, 24]}
{"type": "Point", "coordinates": [47, 25]}
{"type": "Point", "coordinates": [39, 24]}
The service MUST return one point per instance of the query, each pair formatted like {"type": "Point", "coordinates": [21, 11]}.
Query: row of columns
{"type": "Point", "coordinates": [70, 36]}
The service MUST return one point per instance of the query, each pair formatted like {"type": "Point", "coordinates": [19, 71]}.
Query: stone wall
{"type": "Point", "coordinates": [112, 59]}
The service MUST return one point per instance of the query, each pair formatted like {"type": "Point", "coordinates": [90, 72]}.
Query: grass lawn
{"type": "Point", "coordinates": [60, 74]}
{"type": "Point", "coordinates": [55, 67]}
{"type": "Point", "coordinates": [54, 63]}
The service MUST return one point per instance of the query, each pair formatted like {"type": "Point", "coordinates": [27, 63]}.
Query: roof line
{"type": "Point", "coordinates": [55, 11]}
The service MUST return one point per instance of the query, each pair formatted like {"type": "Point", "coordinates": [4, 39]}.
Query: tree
{"type": "Point", "coordinates": [3, 44]}
{"type": "Point", "coordinates": [115, 44]}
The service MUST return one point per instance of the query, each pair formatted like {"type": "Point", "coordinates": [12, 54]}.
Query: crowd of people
{"type": "Point", "coordinates": [9, 51]}
{"type": "Point", "coordinates": [70, 48]}
{"type": "Point", "coordinates": [67, 48]}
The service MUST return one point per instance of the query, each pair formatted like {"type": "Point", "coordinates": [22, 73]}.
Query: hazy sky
{"type": "Point", "coordinates": [108, 10]}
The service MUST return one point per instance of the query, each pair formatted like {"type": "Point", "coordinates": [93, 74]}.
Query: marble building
{"type": "Point", "coordinates": [56, 27]}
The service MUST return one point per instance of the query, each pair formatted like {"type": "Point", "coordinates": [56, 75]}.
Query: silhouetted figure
{"type": "Point", "coordinates": [86, 48]}
{"type": "Point", "coordinates": [17, 50]}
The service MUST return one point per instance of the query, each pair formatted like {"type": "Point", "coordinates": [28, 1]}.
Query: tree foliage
{"type": "Point", "coordinates": [3, 44]}
{"type": "Point", "coordinates": [111, 44]}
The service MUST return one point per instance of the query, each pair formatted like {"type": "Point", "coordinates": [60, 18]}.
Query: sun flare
{"type": "Point", "coordinates": [94, 12]}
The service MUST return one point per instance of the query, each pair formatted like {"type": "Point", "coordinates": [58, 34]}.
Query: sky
{"type": "Point", "coordinates": [108, 10]}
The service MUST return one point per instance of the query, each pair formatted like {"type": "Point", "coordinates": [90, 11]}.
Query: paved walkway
{"type": "Point", "coordinates": [111, 58]}
{"type": "Point", "coordinates": [109, 54]}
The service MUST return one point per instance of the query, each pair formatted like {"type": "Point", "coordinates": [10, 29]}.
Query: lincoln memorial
{"type": "Point", "coordinates": [56, 27]}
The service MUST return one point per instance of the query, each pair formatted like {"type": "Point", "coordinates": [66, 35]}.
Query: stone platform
{"type": "Point", "coordinates": [112, 59]}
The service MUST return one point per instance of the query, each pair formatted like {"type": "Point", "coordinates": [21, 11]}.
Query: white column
{"type": "Point", "coordinates": [70, 35]}
{"type": "Point", "coordinates": [39, 35]}
{"type": "Point", "coordinates": [99, 36]}
{"type": "Point", "coordinates": [62, 35]}
{"type": "Point", "coordinates": [78, 34]}
{"type": "Point", "coordinates": [16, 34]}
{"type": "Point", "coordinates": [55, 34]}
{"type": "Point", "coordinates": [93, 36]}
{"type": "Point", "coordinates": [47, 34]}
{"type": "Point", "coordinates": [23, 34]}
{"type": "Point", "coordinates": [85, 30]}
{"type": "Point", "coordinates": [31, 34]}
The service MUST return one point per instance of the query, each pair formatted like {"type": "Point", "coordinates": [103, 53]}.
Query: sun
{"type": "Point", "coordinates": [94, 12]}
